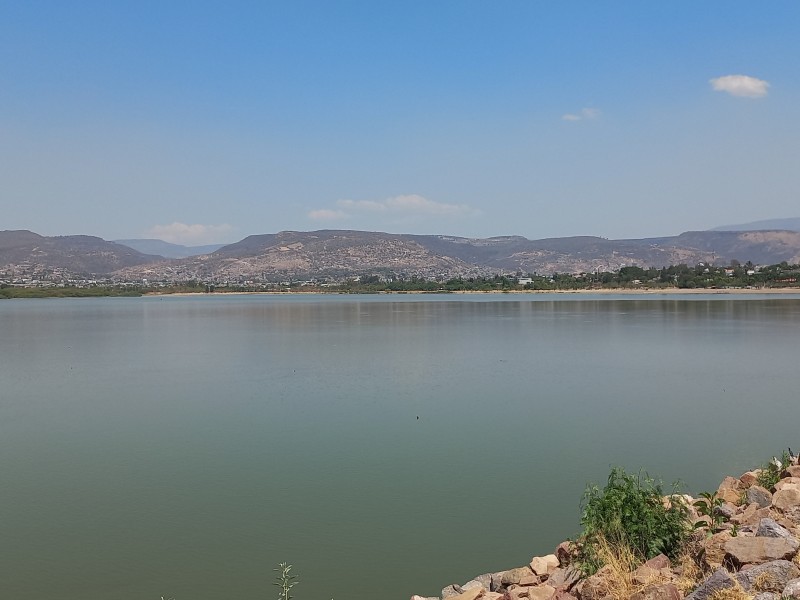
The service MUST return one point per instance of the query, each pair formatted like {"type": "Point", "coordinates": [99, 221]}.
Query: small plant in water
{"type": "Point", "coordinates": [285, 581]}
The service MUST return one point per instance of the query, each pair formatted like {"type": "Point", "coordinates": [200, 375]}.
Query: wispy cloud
{"type": "Point", "coordinates": [584, 114]}
{"type": "Point", "coordinates": [181, 233]}
{"type": "Point", "coordinates": [743, 86]}
{"type": "Point", "coordinates": [407, 206]}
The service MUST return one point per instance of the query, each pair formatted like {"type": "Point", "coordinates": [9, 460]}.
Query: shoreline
{"type": "Point", "coordinates": [601, 292]}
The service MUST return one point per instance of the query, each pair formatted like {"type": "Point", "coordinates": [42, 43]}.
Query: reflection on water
{"type": "Point", "coordinates": [184, 446]}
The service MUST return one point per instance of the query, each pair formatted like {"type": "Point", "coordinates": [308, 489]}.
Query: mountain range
{"type": "Point", "coordinates": [337, 254]}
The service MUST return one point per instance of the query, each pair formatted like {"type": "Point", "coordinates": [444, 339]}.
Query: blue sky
{"type": "Point", "coordinates": [203, 122]}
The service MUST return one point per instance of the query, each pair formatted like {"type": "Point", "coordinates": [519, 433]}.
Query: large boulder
{"type": "Point", "coordinates": [788, 483]}
{"type": "Point", "coordinates": [469, 594]}
{"type": "Point", "coordinates": [564, 579]}
{"type": "Point", "coordinates": [768, 577]}
{"type": "Point", "coordinates": [792, 589]}
{"type": "Point", "coordinates": [544, 565]}
{"type": "Point", "coordinates": [730, 490]}
{"type": "Point", "coordinates": [541, 592]}
{"type": "Point", "coordinates": [749, 478]}
{"type": "Point", "coordinates": [714, 550]}
{"type": "Point", "coordinates": [452, 591]}
{"type": "Point", "coordinates": [786, 499]}
{"type": "Point", "coordinates": [564, 553]}
{"type": "Point", "coordinates": [770, 528]}
{"type": "Point", "coordinates": [759, 495]}
{"type": "Point", "coordinates": [719, 580]}
{"type": "Point", "coordinates": [596, 586]}
{"type": "Point", "coordinates": [484, 581]}
{"type": "Point", "coordinates": [740, 551]}
{"type": "Point", "coordinates": [514, 576]}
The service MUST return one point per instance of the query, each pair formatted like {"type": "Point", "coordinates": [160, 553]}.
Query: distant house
{"type": "Point", "coordinates": [524, 280]}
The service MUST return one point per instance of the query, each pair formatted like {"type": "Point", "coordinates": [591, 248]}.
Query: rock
{"type": "Point", "coordinates": [714, 550]}
{"type": "Point", "coordinates": [644, 574]}
{"type": "Point", "coordinates": [792, 589]}
{"type": "Point", "coordinates": [769, 577]}
{"type": "Point", "coordinates": [751, 515]}
{"type": "Point", "coordinates": [742, 550]}
{"type": "Point", "coordinates": [564, 553]}
{"type": "Point", "coordinates": [767, 596]}
{"type": "Point", "coordinates": [564, 579]}
{"type": "Point", "coordinates": [492, 596]}
{"type": "Point", "coordinates": [469, 594]}
{"type": "Point", "coordinates": [484, 581]}
{"type": "Point", "coordinates": [516, 592]}
{"type": "Point", "coordinates": [513, 576]}
{"type": "Point", "coordinates": [473, 584]}
{"type": "Point", "coordinates": [658, 562]}
{"type": "Point", "coordinates": [543, 565]}
{"type": "Point", "coordinates": [789, 482]}
{"type": "Point", "coordinates": [749, 478]}
{"type": "Point", "coordinates": [415, 597]}
{"type": "Point", "coordinates": [595, 587]}
{"type": "Point", "coordinates": [770, 528]}
{"type": "Point", "coordinates": [719, 580]}
{"type": "Point", "coordinates": [451, 591]}
{"type": "Point", "coordinates": [562, 595]}
{"type": "Point", "coordinates": [541, 592]}
{"type": "Point", "coordinates": [659, 591]}
{"type": "Point", "coordinates": [730, 490]}
{"type": "Point", "coordinates": [793, 471]}
{"type": "Point", "coordinates": [728, 510]}
{"type": "Point", "coordinates": [786, 499]}
{"type": "Point", "coordinates": [759, 495]}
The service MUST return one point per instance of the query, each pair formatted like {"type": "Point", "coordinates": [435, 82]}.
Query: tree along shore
{"type": "Point", "coordinates": [736, 277]}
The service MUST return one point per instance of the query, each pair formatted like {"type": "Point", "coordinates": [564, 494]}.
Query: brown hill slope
{"type": "Point", "coordinates": [339, 253]}
{"type": "Point", "coordinates": [75, 254]}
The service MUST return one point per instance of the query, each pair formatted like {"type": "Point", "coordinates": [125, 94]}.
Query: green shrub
{"type": "Point", "coordinates": [771, 472]}
{"type": "Point", "coordinates": [630, 512]}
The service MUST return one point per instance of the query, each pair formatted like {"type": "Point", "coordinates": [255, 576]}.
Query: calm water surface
{"type": "Point", "coordinates": [384, 445]}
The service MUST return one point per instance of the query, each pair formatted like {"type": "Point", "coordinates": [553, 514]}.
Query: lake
{"type": "Point", "coordinates": [383, 445]}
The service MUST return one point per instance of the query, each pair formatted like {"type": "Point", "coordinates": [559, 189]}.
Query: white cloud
{"type": "Point", "coordinates": [407, 206]}
{"type": "Point", "coordinates": [740, 85]}
{"type": "Point", "coordinates": [181, 233]}
{"type": "Point", "coordinates": [585, 113]}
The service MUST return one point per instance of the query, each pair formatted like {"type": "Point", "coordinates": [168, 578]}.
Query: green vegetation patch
{"type": "Point", "coordinates": [630, 512]}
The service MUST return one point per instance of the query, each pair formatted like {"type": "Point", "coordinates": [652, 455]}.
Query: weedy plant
{"type": "Point", "coordinates": [630, 512]}
{"type": "Point", "coordinates": [709, 505]}
{"type": "Point", "coordinates": [771, 472]}
{"type": "Point", "coordinates": [285, 581]}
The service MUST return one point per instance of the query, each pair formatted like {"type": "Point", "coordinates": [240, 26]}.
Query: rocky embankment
{"type": "Point", "coordinates": [748, 551]}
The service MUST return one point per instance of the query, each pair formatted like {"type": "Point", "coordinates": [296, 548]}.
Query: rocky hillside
{"type": "Point", "coordinates": [25, 251]}
{"type": "Point", "coordinates": [332, 253]}
{"type": "Point", "coordinates": [747, 548]}
{"type": "Point", "coordinates": [338, 254]}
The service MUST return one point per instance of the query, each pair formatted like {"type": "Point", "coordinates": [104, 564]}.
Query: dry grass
{"type": "Point", "coordinates": [732, 593]}
{"type": "Point", "coordinates": [692, 575]}
{"type": "Point", "coordinates": [767, 582]}
{"type": "Point", "coordinates": [619, 563]}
